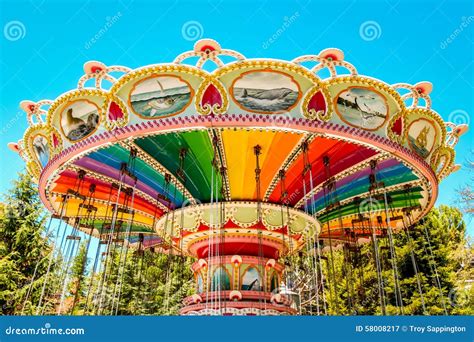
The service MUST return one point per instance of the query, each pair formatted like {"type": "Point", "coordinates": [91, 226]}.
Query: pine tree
{"type": "Point", "coordinates": [155, 284]}
{"type": "Point", "coordinates": [443, 258]}
{"type": "Point", "coordinates": [24, 247]}
{"type": "Point", "coordinates": [78, 277]}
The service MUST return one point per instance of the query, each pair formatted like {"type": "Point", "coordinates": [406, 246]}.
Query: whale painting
{"type": "Point", "coordinates": [362, 107]}
{"type": "Point", "coordinates": [160, 96]}
{"type": "Point", "coordinates": [265, 92]}
{"type": "Point", "coordinates": [79, 119]}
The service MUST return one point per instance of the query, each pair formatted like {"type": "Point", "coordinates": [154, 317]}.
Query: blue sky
{"type": "Point", "coordinates": [411, 41]}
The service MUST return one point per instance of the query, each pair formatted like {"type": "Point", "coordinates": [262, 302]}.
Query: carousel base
{"type": "Point", "coordinates": [237, 271]}
{"type": "Point", "coordinates": [238, 303]}
{"type": "Point", "coordinates": [247, 311]}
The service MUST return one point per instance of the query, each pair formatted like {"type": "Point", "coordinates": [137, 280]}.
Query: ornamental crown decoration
{"type": "Point", "coordinates": [109, 101]}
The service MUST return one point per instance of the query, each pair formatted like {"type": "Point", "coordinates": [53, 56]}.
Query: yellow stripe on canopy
{"type": "Point", "coordinates": [240, 158]}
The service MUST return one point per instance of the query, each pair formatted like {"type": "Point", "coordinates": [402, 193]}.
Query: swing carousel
{"type": "Point", "coordinates": [242, 164]}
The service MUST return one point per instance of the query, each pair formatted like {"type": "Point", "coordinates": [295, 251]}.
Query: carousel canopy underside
{"type": "Point", "coordinates": [350, 150]}
{"type": "Point", "coordinates": [350, 165]}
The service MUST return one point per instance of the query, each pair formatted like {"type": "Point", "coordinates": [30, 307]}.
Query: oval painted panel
{"type": "Point", "coordinates": [421, 136]}
{"type": "Point", "coordinates": [41, 148]}
{"type": "Point", "coordinates": [265, 92]}
{"type": "Point", "coordinates": [79, 119]}
{"type": "Point", "coordinates": [441, 164]}
{"type": "Point", "coordinates": [160, 96]}
{"type": "Point", "coordinates": [362, 108]}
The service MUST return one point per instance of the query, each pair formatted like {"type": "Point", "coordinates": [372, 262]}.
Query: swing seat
{"type": "Point", "coordinates": [88, 207]}
{"type": "Point", "coordinates": [76, 194]}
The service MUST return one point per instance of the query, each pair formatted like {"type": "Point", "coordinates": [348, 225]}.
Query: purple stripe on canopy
{"type": "Point", "coordinates": [355, 176]}
{"type": "Point", "coordinates": [113, 173]}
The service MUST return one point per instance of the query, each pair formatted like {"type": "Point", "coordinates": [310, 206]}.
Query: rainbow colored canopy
{"type": "Point", "coordinates": [342, 148]}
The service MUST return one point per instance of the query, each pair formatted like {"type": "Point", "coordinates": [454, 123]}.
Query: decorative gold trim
{"type": "Point", "coordinates": [365, 81]}
{"type": "Point", "coordinates": [216, 109]}
{"type": "Point", "coordinates": [31, 133]}
{"type": "Point", "coordinates": [433, 147]}
{"type": "Point", "coordinates": [435, 160]}
{"type": "Point", "coordinates": [59, 148]}
{"type": "Point", "coordinates": [400, 139]}
{"type": "Point", "coordinates": [99, 112]}
{"type": "Point", "coordinates": [411, 112]}
{"type": "Point", "coordinates": [34, 169]}
{"type": "Point", "coordinates": [311, 114]}
{"type": "Point", "coordinates": [110, 125]}
{"type": "Point", "coordinates": [268, 64]}
{"type": "Point", "coordinates": [155, 69]}
{"type": "Point", "coordinates": [77, 94]}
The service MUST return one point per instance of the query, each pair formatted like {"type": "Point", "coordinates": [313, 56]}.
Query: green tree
{"type": "Point", "coordinates": [443, 258]}
{"type": "Point", "coordinates": [79, 276]}
{"type": "Point", "coordinates": [24, 248]}
{"type": "Point", "coordinates": [147, 284]}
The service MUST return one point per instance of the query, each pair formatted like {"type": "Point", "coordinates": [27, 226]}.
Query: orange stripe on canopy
{"type": "Point", "coordinates": [240, 158]}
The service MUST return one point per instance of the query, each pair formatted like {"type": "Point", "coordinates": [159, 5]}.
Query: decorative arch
{"type": "Point", "coordinates": [251, 279]}
{"type": "Point", "coordinates": [274, 281]}
{"type": "Point", "coordinates": [220, 279]}
{"type": "Point", "coordinates": [199, 282]}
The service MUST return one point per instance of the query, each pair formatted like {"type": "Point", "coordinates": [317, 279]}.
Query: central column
{"type": "Point", "coordinates": [241, 276]}
{"type": "Point", "coordinates": [238, 268]}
